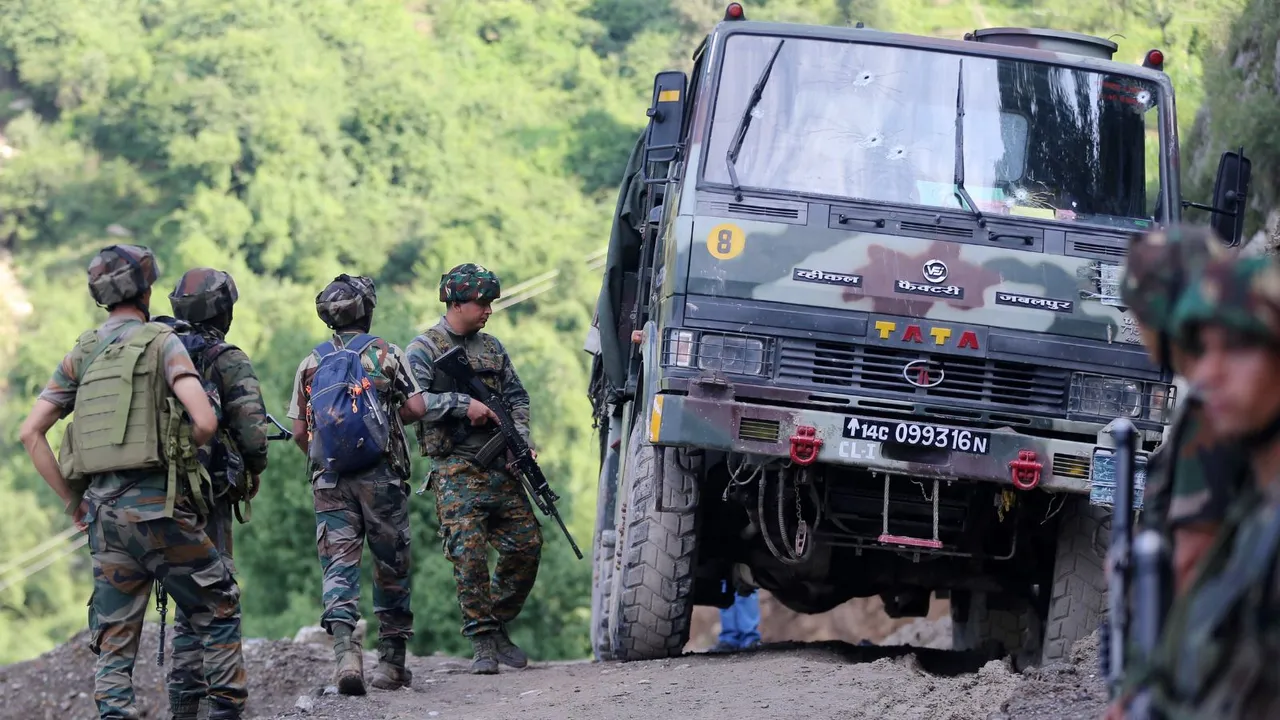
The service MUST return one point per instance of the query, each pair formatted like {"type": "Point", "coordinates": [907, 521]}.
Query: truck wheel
{"type": "Point", "coordinates": [603, 558]}
{"type": "Point", "coordinates": [652, 597]}
{"type": "Point", "coordinates": [998, 631]}
{"type": "Point", "coordinates": [1078, 601]}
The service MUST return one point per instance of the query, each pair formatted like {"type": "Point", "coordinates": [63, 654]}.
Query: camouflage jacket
{"type": "Point", "coordinates": [385, 365]}
{"type": "Point", "coordinates": [1193, 476]}
{"type": "Point", "coordinates": [140, 495]}
{"type": "Point", "coordinates": [1219, 655]}
{"type": "Point", "coordinates": [244, 413]}
{"type": "Point", "coordinates": [447, 406]}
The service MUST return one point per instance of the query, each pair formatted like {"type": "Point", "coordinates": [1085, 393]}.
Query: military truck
{"type": "Point", "coordinates": [860, 333]}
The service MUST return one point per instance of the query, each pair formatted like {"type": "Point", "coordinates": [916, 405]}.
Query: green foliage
{"type": "Point", "coordinates": [289, 140]}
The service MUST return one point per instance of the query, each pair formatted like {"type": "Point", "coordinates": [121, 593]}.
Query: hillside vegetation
{"type": "Point", "coordinates": [289, 140]}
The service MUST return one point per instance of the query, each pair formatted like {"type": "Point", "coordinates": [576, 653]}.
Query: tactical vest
{"type": "Point", "coordinates": [126, 416]}
{"type": "Point", "coordinates": [453, 436]}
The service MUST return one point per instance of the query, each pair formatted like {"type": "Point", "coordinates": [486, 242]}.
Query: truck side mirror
{"type": "Point", "coordinates": [666, 117]}
{"type": "Point", "coordinates": [1230, 190]}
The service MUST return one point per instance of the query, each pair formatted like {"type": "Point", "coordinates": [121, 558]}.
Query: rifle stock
{"type": "Point", "coordinates": [454, 363]}
{"type": "Point", "coordinates": [284, 434]}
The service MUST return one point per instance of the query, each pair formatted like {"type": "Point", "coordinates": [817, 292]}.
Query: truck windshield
{"type": "Point", "coordinates": [879, 123]}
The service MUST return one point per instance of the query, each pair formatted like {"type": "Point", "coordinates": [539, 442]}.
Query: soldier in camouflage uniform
{"type": "Point", "coordinates": [479, 502]}
{"type": "Point", "coordinates": [1192, 476]}
{"type": "Point", "coordinates": [203, 301]}
{"type": "Point", "coordinates": [1219, 655]}
{"type": "Point", "coordinates": [141, 526]}
{"type": "Point", "coordinates": [372, 504]}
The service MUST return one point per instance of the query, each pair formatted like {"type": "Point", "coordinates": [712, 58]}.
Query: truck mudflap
{"type": "Point", "coordinates": [912, 447]}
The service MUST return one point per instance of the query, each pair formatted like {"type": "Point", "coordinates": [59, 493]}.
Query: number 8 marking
{"type": "Point", "coordinates": [726, 242]}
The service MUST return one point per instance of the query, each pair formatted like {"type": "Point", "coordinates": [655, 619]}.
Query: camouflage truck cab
{"type": "Point", "coordinates": [860, 331]}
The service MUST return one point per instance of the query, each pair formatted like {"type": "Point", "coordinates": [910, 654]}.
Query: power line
{"type": "Point", "coordinates": [45, 562]}
{"type": "Point", "coordinates": [39, 549]}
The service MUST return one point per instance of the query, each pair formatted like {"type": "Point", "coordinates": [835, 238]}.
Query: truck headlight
{"type": "Point", "coordinates": [1110, 397]}
{"type": "Point", "coordinates": [723, 352]}
{"type": "Point", "coordinates": [731, 354]}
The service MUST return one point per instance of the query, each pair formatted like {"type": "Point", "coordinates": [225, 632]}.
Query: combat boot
{"type": "Point", "coordinates": [507, 652]}
{"type": "Point", "coordinates": [485, 659]}
{"type": "Point", "coordinates": [350, 657]}
{"type": "Point", "coordinates": [391, 673]}
{"type": "Point", "coordinates": [184, 708]}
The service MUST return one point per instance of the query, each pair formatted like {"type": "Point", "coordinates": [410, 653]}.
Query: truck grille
{"type": "Point", "coordinates": [831, 365]}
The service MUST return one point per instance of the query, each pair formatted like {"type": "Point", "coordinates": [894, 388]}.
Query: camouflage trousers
{"type": "Point", "coordinates": [187, 683]}
{"type": "Point", "coordinates": [478, 508]}
{"type": "Point", "coordinates": [127, 559]}
{"type": "Point", "coordinates": [372, 506]}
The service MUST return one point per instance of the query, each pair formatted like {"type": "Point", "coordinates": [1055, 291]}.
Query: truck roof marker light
{"type": "Point", "coordinates": [1154, 60]}
{"type": "Point", "coordinates": [735, 12]}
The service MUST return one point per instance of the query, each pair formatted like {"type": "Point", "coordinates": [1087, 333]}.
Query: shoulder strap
{"type": "Point", "coordinates": [360, 342]}
{"type": "Point", "coordinates": [324, 348]}
{"type": "Point", "coordinates": [92, 336]}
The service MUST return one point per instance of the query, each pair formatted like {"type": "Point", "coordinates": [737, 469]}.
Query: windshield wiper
{"type": "Point", "coordinates": [961, 193]}
{"type": "Point", "coordinates": [731, 157]}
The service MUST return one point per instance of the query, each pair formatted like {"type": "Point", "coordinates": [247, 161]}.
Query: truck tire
{"type": "Point", "coordinates": [652, 596]}
{"type": "Point", "coordinates": [602, 562]}
{"type": "Point", "coordinates": [1078, 601]}
{"type": "Point", "coordinates": [998, 631]}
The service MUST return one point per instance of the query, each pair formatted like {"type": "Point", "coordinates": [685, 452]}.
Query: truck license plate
{"type": "Point", "coordinates": [918, 435]}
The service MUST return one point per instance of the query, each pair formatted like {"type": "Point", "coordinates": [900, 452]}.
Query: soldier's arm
{"type": "Point", "coordinates": [181, 375]}
{"type": "Point", "coordinates": [243, 408]}
{"type": "Point", "coordinates": [516, 397]}
{"type": "Point", "coordinates": [436, 406]}
{"type": "Point", "coordinates": [34, 435]}
{"type": "Point", "coordinates": [297, 403]}
{"type": "Point", "coordinates": [406, 389]}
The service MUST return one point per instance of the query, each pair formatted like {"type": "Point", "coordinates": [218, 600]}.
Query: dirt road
{"type": "Point", "coordinates": [784, 681]}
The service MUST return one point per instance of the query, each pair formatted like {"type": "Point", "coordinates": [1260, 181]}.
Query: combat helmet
{"type": "Point", "coordinates": [346, 300]}
{"type": "Point", "coordinates": [469, 282]}
{"type": "Point", "coordinates": [203, 294]}
{"type": "Point", "coordinates": [119, 273]}
{"type": "Point", "coordinates": [1241, 294]}
{"type": "Point", "coordinates": [1158, 265]}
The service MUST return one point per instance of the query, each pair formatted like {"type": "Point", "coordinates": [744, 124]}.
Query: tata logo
{"type": "Point", "coordinates": [923, 373]}
{"type": "Point", "coordinates": [913, 332]}
{"type": "Point", "coordinates": [935, 271]}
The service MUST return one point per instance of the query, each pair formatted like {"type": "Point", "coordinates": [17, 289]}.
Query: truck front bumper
{"type": "Point", "coordinates": [807, 436]}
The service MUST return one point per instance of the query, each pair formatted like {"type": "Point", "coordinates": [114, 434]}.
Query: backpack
{"type": "Point", "coordinates": [220, 457]}
{"type": "Point", "coordinates": [349, 429]}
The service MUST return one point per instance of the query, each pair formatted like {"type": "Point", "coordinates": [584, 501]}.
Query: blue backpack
{"type": "Point", "coordinates": [349, 430]}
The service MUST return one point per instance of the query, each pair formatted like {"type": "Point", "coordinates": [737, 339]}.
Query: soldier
{"type": "Point", "coordinates": [1219, 652]}
{"type": "Point", "coordinates": [202, 302]}
{"type": "Point", "coordinates": [372, 503]}
{"type": "Point", "coordinates": [114, 472]}
{"type": "Point", "coordinates": [478, 500]}
{"type": "Point", "coordinates": [1192, 476]}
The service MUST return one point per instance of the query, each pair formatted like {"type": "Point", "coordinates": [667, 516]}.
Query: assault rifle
{"type": "Point", "coordinates": [454, 363]}
{"type": "Point", "coordinates": [1140, 584]}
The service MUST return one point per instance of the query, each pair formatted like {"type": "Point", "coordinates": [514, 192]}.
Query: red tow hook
{"type": "Point", "coordinates": [1025, 471]}
{"type": "Point", "coordinates": [804, 445]}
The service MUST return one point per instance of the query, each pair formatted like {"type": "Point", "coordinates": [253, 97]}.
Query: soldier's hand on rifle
{"type": "Point", "coordinates": [479, 413]}
{"type": "Point", "coordinates": [78, 515]}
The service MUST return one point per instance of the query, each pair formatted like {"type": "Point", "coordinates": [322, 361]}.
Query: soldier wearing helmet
{"type": "Point", "coordinates": [1191, 477]}
{"type": "Point", "coordinates": [369, 505]}
{"type": "Point", "coordinates": [478, 501]}
{"type": "Point", "coordinates": [114, 472]}
{"type": "Point", "coordinates": [202, 305]}
{"type": "Point", "coordinates": [1220, 646]}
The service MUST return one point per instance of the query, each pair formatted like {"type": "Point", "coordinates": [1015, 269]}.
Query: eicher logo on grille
{"type": "Point", "coordinates": [1031, 301]}
{"type": "Point", "coordinates": [826, 278]}
{"type": "Point", "coordinates": [912, 288]}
